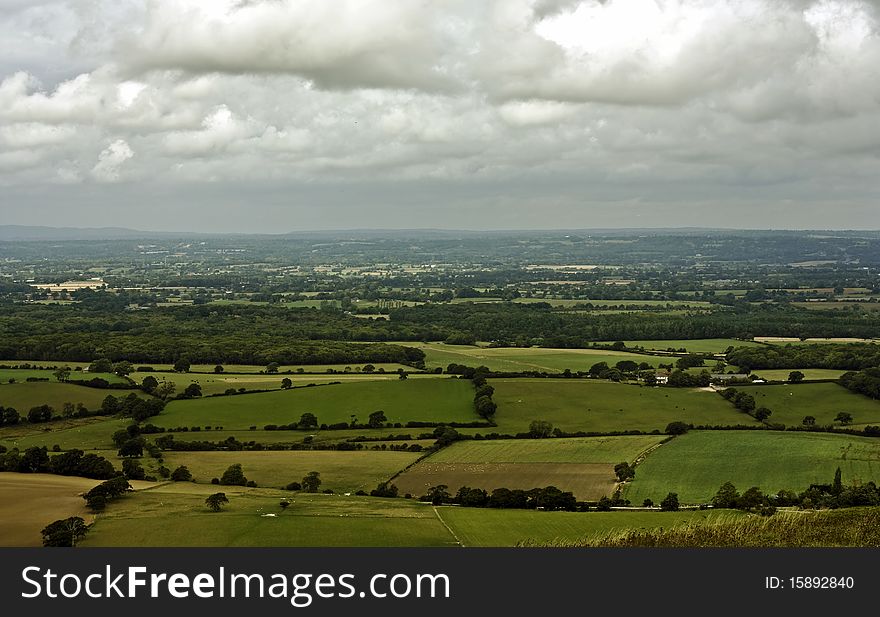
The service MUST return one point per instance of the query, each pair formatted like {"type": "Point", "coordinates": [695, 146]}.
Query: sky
{"type": "Point", "coordinates": [285, 115]}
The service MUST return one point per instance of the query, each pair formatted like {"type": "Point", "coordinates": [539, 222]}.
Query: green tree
{"type": "Point", "coordinates": [762, 413]}
{"type": "Point", "coordinates": [149, 384]}
{"type": "Point", "coordinates": [540, 428]}
{"type": "Point", "coordinates": [218, 369]}
{"type": "Point", "coordinates": [182, 365]}
{"type": "Point", "coordinates": [193, 390]}
{"type": "Point", "coordinates": [844, 417]}
{"type": "Point", "coordinates": [64, 532]}
{"type": "Point", "coordinates": [624, 472]}
{"type": "Point", "coordinates": [123, 368]}
{"type": "Point", "coordinates": [796, 377]}
{"type": "Point", "coordinates": [837, 484]}
{"type": "Point", "coordinates": [311, 482]}
{"type": "Point", "coordinates": [677, 428]}
{"type": "Point", "coordinates": [726, 497]}
{"type": "Point", "coordinates": [272, 367]}
{"type": "Point", "coordinates": [233, 476]}
{"type": "Point", "coordinates": [377, 419]}
{"type": "Point", "coordinates": [286, 383]}
{"type": "Point", "coordinates": [181, 474]}
{"type": "Point", "coordinates": [307, 420]}
{"type": "Point", "coordinates": [437, 495]}
{"type": "Point", "coordinates": [132, 469]}
{"type": "Point", "coordinates": [165, 390]}
{"type": "Point", "coordinates": [104, 365]}
{"type": "Point", "coordinates": [215, 502]}
{"type": "Point", "coordinates": [669, 503]}
{"type": "Point", "coordinates": [62, 374]}
{"type": "Point", "coordinates": [809, 421]}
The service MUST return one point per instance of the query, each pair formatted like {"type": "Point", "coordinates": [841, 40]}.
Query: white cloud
{"type": "Point", "coordinates": [111, 160]}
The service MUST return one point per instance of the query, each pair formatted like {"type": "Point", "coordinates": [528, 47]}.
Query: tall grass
{"type": "Point", "coordinates": [849, 527]}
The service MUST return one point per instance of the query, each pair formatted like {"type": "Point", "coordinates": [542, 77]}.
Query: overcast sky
{"type": "Point", "coordinates": [280, 115]}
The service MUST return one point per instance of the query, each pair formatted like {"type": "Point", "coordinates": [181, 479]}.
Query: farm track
{"type": "Point", "coordinates": [448, 528]}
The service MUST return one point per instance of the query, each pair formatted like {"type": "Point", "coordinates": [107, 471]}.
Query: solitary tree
{"type": "Point", "coordinates": [286, 383]}
{"type": "Point", "coordinates": [182, 365]}
{"type": "Point", "coordinates": [193, 390]}
{"type": "Point", "coordinates": [272, 367]}
{"type": "Point", "coordinates": [809, 421]}
{"type": "Point", "coordinates": [181, 474]}
{"type": "Point", "coordinates": [149, 384]}
{"type": "Point", "coordinates": [233, 476]}
{"type": "Point", "coordinates": [311, 482]}
{"type": "Point", "coordinates": [844, 417]}
{"type": "Point", "coordinates": [218, 369]}
{"type": "Point", "coordinates": [216, 501]}
{"type": "Point", "coordinates": [540, 428]}
{"type": "Point", "coordinates": [64, 532]}
{"type": "Point", "coordinates": [308, 420]}
{"type": "Point", "coordinates": [669, 503]}
{"type": "Point", "coordinates": [796, 377]}
{"type": "Point", "coordinates": [62, 374]}
{"type": "Point", "coordinates": [624, 472]}
{"type": "Point", "coordinates": [165, 390]}
{"type": "Point", "coordinates": [377, 419]}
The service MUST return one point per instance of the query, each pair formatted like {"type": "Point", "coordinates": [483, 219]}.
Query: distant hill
{"type": "Point", "coordinates": [54, 234]}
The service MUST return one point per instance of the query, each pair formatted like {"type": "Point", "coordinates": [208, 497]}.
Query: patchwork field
{"type": "Point", "coordinates": [823, 401]}
{"type": "Point", "coordinates": [439, 400]}
{"type": "Point", "coordinates": [345, 471]}
{"type": "Point", "coordinates": [489, 527]}
{"type": "Point", "coordinates": [175, 515]}
{"type": "Point", "coordinates": [593, 405]}
{"type": "Point", "coordinates": [696, 464]}
{"type": "Point", "coordinates": [582, 466]}
{"type": "Point", "coordinates": [29, 502]}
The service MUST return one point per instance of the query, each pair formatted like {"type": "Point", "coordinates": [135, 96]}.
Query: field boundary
{"type": "Point", "coordinates": [448, 528]}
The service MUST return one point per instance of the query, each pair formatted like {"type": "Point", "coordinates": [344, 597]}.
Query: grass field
{"type": "Point", "coordinates": [23, 396]}
{"type": "Point", "coordinates": [592, 405]}
{"type": "Point", "coordinates": [809, 373]}
{"type": "Point", "coordinates": [22, 374]}
{"type": "Point", "coordinates": [583, 466]}
{"type": "Point", "coordinates": [84, 433]}
{"type": "Point", "coordinates": [489, 527]}
{"type": "Point", "coordinates": [823, 401]}
{"type": "Point", "coordinates": [218, 384]}
{"type": "Point", "coordinates": [439, 400]}
{"type": "Point", "coordinates": [696, 464]}
{"type": "Point", "coordinates": [345, 471]}
{"type": "Point", "coordinates": [563, 450]}
{"type": "Point", "coordinates": [175, 515]}
{"type": "Point", "coordinates": [525, 359]}
{"type": "Point", "coordinates": [706, 345]}
{"type": "Point", "coordinates": [29, 502]}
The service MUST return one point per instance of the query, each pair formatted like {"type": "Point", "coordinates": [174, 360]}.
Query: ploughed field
{"type": "Point", "coordinates": [584, 466]}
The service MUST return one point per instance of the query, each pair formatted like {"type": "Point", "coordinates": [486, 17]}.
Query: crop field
{"type": "Point", "coordinates": [583, 466]}
{"type": "Point", "coordinates": [29, 502]}
{"type": "Point", "coordinates": [175, 515]}
{"type": "Point", "coordinates": [593, 405]}
{"type": "Point", "coordinates": [823, 401]}
{"type": "Point", "coordinates": [439, 400]}
{"type": "Point", "coordinates": [490, 527]}
{"type": "Point", "coordinates": [696, 464]}
{"type": "Point", "coordinates": [341, 471]}
{"type": "Point", "coordinates": [23, 396]}
{"type": "Point", "coordinates": [517, 359]}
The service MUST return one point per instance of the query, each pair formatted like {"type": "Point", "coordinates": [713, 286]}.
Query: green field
{"type": "Point", "coordinates": [696, 464]}
{"type": "Point", "coordinates": [564, 450]}
{"type": "Point", "coordinates": [85, 434]}
{"type": "Point", "coordinates": [593, 405]}
{"type": "Point", "coordinates": [525, 358]}
{"type": "Point", "coordinates": [20, 375]}
{"type": "Point", "coordinates": [438, 400]}
{"type": "Point", "coordinates": [706, 345]}
{"type": "Point", "coordinates": [489, 527]}
{"type": "Point", "coordinates": [790, 403]}
{"type": "Point", "coordinates": [175, 515]}
{"type": "Point", "coordinates": [23, 396]}
{"type": "Point", "coordinates": [340, 471]}
{"type": "Point", "coordinates": [809, 373]}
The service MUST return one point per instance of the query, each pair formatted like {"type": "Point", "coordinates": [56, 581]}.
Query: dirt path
{"type": "Point", "coordinates": [448, 528]}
